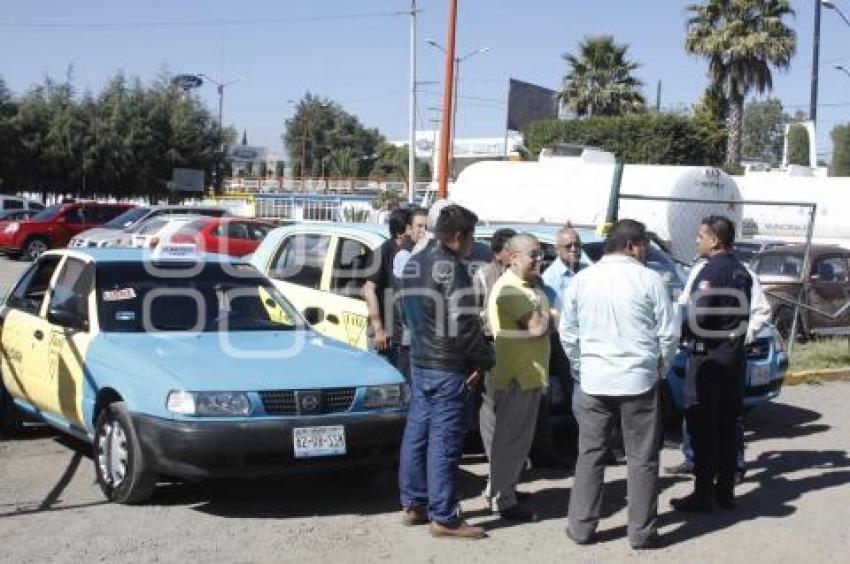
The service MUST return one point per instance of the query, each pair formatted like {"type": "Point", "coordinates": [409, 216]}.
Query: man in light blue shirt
{"type": "Point", "coordinates": [620, 332]}
{"type": "Point", "coordinates": [557, 276]}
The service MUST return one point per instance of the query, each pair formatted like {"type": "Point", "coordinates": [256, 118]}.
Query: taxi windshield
{"type": "Point", "coordinates": [153, 297]}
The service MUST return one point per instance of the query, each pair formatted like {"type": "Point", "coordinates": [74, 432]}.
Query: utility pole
{"type": "Point", "coordinates": [446, 128]}
{"type": "Point", "coordinates": [411, 152]}
{"type": "Point", "coordinates": [658, 98]}
{"type": "Point", "coordinates": [813, 102]}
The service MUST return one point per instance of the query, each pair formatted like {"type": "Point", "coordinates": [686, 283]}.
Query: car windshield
{"type": "Point", "coordinates": [127, 219]}
{"type": "Point", "coordinates": [135, 297]}
{"type": "Point", "coordinates": [48, 213]}
{"type": "Point", "coordinates": [779, 264]}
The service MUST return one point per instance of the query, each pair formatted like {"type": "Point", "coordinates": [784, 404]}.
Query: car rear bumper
{"type": "Point", "coordinates": [245, 448]}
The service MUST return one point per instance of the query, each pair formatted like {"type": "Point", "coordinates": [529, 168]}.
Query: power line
{"type": "Point", "coordinates": [195, 23]}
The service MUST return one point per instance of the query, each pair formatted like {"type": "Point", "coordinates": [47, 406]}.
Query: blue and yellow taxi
{"type": "Point", "coordinates": [187, 365]}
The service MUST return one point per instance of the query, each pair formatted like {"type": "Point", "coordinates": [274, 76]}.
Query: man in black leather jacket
{"type": "Point", "coordinates": [448, 355]}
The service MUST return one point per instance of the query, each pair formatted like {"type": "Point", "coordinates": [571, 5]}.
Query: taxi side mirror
{"type": "Point", "coordinates": [314, 315]}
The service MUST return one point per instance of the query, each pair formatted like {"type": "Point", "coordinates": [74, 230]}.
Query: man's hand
{"type": "Point", "coordinates": [381, 341]}
{"type": "Point", "coordinates": [473, 380]}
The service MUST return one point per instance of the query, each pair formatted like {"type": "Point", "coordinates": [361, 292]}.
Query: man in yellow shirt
{"type": "Point", "coordinates": [519, 315]}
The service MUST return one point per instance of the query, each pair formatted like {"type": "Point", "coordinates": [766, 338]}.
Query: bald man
{"type": "Point", "coordinates": [519, 317]}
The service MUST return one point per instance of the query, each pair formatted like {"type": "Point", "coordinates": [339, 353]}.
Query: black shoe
{"type": "Point", "coordinates": [679, 469]}
{"type": "Point", "coordinates": [691, 504]}
{"type": "Point", "coordinates": [589, 540]}
{"type": "Point", "coordinates": [739, 476]}
{"type": "Point", "coordinates": [653, 541]}
{"type": "Point", "coordinates": [725, 501]}
{"type": "Point", "coordinates": [519, 513]}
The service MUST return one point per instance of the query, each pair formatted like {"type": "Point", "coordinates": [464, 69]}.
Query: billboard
{"type": "Point", "coordinates": [528, 103]}
{"type": "Point", "coordinates": [186, 180]}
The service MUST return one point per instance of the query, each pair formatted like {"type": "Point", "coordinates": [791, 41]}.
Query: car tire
{"type": "Point", "coordinates": [126, 480]}
{"type": "Point", "coordinates": [11, 419]}
{"type": "Point", "coordinates": [34, 247]}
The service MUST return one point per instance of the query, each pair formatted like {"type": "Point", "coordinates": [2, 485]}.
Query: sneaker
{"type": "Point", "coordinates": [519, 513]}
{"type": "Point", "coordinates": [691, 504]}
{"type": "Point", "coordinates": [414, 515]}
{"type": "Point", "coordinates": [460, 530]}
{"type": "Point", "coordinates": [679, 469]}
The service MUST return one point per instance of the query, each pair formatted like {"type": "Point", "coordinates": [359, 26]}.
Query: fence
{"type": "Point", "coordinates": [760, 226]}
{"type": "Point", "coordinates": [284, 208]}
{"type": "Point", "coordinates": [316, 185]}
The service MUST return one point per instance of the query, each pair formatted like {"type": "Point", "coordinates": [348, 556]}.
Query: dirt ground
{"type": "Point", "coordinates": [794, 506]}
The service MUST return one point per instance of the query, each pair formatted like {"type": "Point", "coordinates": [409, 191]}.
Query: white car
{"type": "Point", "coordinates": [151, 233]}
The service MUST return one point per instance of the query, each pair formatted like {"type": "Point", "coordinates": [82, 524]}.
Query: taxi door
{"type": "Point", "coordinates": [345, 309]}
{"type": "Point", "coordinates": [26, 334]}
{"type": "Point", "coordinates": [69, 339]}
{"type": "Point", "coordinates": [300, 271]}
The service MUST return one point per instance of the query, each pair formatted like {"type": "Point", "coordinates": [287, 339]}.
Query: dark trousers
{"type": "Point", "coordinates": [437, 421]}
{"type": "Point", "coordinates": [712, 420]}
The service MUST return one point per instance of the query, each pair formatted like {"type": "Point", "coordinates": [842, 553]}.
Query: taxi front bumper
{"type": "Point", "coordinates": [246, 448]}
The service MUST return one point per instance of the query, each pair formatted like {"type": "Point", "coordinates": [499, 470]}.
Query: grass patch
{"type": "Point", "coordinates": [823, 354]}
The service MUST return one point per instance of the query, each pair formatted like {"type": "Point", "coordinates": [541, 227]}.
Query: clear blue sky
{"type": "Point", "coordinates": [286, 47]}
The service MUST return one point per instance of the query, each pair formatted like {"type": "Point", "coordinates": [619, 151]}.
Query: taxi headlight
{"type": "Point", "coordinates": [391, 395]}
{"type": "Point", "coordinates": [12, 227]}
{"type": "Point", "coordinates": [209, 404]}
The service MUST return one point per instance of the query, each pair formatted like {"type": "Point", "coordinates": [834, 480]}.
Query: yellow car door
{"type": "Point", "coordinates": [344, 304]}
{"type": "Point", "coordinates": [70, 337]}
{"type": "Point", "coordinates": [26, 335]}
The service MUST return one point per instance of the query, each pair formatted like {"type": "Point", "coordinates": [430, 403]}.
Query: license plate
{"type": "Point", "coordinates": [759, 375]}
{"type": "Point", "coordinates": [310, 442]}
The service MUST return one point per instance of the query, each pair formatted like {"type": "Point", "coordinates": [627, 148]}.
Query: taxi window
{"type": "Point", "coordinates": [29, 294]}
{"type": "Point", "coordinates": [132, 299]}
{"type": "Point", "coordinates": [300, 259]}
{"type": "Point", "coordinates": [351, 264]}
{"type": "Point", "coordinates": [73, 286]}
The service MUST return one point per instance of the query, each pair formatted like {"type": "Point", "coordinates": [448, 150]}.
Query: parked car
{"type": "Point", "coordinates": [821, 285]}
{"type": "Point", "coordinates": [209, 373]}
{"type": "Point", "coordinates": [153, 231]}
{"type": "Point", "coordinates": [746, 249]}
{"type": "Point", "coordinates": [320, 267]}
{"type": "Point", "coordinates": [8, 203]}
{"type": "Point", "coordinates": [54, 226]}
{"type": "Point", "coordinates": [115, 232]}
{"type": "Point", "coordinates": [14, 215]}
{"type": "Point", "coordinates": [234, 236]}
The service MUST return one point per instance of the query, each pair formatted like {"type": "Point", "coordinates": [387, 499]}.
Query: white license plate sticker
{"type": "Point", "coordinates": [759, 375]}
{"type": "Point", "coordinates": [310, 442]}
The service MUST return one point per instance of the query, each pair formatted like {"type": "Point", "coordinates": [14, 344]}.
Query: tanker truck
{"type": "Point", "coordinates": [577, 190]}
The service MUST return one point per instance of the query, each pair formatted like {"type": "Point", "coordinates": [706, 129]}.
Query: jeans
{"type": "Point", "coordinates": [437, 421]}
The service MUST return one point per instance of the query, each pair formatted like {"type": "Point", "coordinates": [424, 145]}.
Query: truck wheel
{"type": "Point", "coordinates": [119, 463]}
{"type": "Point", "coordinates": [35, 247]}
{"type": "Point", "coordinates": [10, 417]}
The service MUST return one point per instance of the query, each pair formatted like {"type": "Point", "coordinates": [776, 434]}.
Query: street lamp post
{"type": "Point", "coordinates": [220, 86]}
{"type": "Point", "coordinates": [813, 100]}
{"type": "Point", "coordinates": [830, 5]}
{"type": "Point", "coordinates": [457, 62]}
{"type": "Point", "coordinates": [842, 69]}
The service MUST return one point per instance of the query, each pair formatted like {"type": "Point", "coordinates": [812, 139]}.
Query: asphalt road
{"type": "Point", "coordinates": [794, 506]}
{"type": "Point", "coordinates": [10, 271]}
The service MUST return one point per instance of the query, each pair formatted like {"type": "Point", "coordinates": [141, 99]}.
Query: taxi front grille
{"type": "Point", "coordinates": [308, 402]}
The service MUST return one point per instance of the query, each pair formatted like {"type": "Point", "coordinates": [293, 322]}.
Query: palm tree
{"type": "Point", "coordinates": [600, 81]}
{"type": "Point", "coordinates": [742, 40]}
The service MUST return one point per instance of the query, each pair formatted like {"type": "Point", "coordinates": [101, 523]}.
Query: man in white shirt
{"type": "Point", "coordinates": [618, 329]}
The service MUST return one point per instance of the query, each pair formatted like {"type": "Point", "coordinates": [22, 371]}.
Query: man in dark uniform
{"type": "Point", "coordinates": [716, 328]}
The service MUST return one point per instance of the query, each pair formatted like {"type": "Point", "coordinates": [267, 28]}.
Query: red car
{"type": "Point", "coordinates": [53, 227]}
{"type": "Point", "coordinates": [235, 236]}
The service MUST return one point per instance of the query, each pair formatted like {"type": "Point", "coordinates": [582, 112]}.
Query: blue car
{"type": "Point", "coordinates": [192, 366]}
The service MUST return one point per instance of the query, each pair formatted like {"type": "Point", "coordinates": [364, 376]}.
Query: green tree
{"type": "Point", "coordinates": [742, 40]}
{"type": "Point", "coordinates": [713, 106]}
{"type": "Point", "coordinates": [599, 81]}
{"type": "Point", "coordinates": [798, 145]}
{"type": "Point", "coordinates": [343, 163]}
{"type": "Point", "coordinates": [9, 140]}
{"type": "Point", "coordinates": [321, 126]}
{"type": "Point", "coordinates": [392, 164]}
{"type": "Point", "coordinates": [840, 150]}
{"type": "Point", "coordinates": [764, 130]}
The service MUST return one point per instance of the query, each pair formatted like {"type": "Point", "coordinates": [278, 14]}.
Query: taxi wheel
{"type": "Point", "coordinates": [10, 417]}
{"type": "Point", "coordinates": [118, 459]}
{"type": "Point", "coordinates": [35, 247]}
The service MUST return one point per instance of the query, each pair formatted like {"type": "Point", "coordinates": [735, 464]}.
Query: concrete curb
{"type": "Point", "coordinates": [814, 376]}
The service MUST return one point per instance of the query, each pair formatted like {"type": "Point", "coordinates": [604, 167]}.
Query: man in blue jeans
{"type": "Point", "coordinates": [448, 355]}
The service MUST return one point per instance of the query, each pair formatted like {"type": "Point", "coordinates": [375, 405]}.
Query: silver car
{"type": "Point", "coordinates": [119, 231]}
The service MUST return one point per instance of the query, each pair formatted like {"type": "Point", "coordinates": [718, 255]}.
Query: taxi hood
{"type": "Point", "coordinates": [248, 360]}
